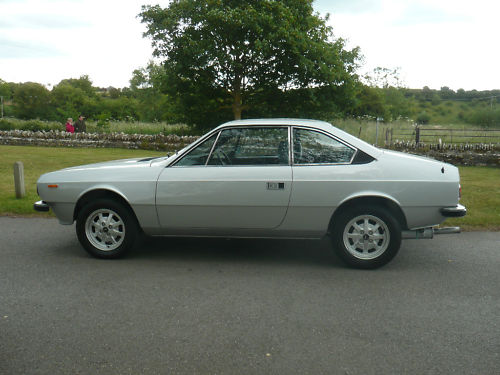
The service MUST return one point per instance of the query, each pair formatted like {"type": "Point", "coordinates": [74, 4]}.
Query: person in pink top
{"type": "Point", "coordinates": [69, 126]}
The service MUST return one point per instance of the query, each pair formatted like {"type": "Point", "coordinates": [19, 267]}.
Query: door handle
{"type": "Point", "coordinates": [275, 186]}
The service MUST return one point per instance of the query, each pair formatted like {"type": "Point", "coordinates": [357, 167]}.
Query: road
{"type": "Point", "coordinates": [192, 306]}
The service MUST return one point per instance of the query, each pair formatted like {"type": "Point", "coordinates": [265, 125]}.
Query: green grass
{"type": "Point", "coordinates": [481, 196]}
{"type": "Point", "coordinates": [480, 185]}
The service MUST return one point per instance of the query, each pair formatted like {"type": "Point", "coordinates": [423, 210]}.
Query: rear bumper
{"type": "Point", "coordinates": [41, 206]}
{"type": "Point", "coordinates": [457, 211]}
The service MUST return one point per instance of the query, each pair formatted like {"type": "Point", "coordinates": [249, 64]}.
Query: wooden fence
{"type": "Point", "coordinates": [444, 135]}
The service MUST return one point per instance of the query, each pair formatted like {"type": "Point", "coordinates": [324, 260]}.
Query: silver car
{"type": "Point", "coordinates": [272, 178]}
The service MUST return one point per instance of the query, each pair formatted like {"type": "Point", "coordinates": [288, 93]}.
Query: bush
{"type": "Point", "coordinates": [32, 125]}
{"type": "Point", "coordinates": [423, 118]}
{"type": "Point", "coordinates": [6, 125]}
{"type": "Point", "coordinates": [485, 117]}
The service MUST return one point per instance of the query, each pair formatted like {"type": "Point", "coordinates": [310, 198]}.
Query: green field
{"type": "Point", "coordinates": [480, 185]}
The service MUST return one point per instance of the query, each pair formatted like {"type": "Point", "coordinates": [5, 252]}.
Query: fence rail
{"type": "Point", "coordinates": [445, 135]}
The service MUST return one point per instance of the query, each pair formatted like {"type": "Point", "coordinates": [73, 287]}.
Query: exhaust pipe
{"type": "Point", "coordinates": [447, 230]}
{"type": "Point", "coordinates": [427, 233]}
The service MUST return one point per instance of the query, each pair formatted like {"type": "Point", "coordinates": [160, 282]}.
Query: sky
{"type": "Point", "coordinates": [434, 43]}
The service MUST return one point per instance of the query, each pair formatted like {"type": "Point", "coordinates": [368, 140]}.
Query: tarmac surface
{"type": "Point", "coordinates": [215, 306]}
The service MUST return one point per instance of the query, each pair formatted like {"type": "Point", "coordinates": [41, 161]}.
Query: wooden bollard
{"type": "Point", "coordinates": [19, 179]}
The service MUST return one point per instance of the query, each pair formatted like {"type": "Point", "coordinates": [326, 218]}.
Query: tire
{"type": "Point", "coordinates": [360, 249]}
{"type": "Point", "coordinates": [106, 229]}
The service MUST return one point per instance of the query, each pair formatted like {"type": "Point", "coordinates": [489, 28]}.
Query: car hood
{"type": "Point", "coordinates": [135, 162]}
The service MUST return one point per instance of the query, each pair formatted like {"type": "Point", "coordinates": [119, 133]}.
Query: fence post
{"type": "Point", "coordinates": [417, 135]}
{"type": "Point", "coordinates": [19, 179]}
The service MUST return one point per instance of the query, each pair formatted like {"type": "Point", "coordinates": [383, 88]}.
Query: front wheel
{"type": "Point", "coordinates": [366, 237]}
{"type": "Point", "coordinates": [106, 229]}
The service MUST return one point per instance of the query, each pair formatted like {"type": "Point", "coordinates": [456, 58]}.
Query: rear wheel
{"type": "Point", "coordinates": [366, 237]}
{"type": "Point", "coordinates": [106, 229]}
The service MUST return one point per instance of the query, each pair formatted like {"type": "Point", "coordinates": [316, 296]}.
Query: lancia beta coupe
{"type": "Point", "coordinates": [272, 178]}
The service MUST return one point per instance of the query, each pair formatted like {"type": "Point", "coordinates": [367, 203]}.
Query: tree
{"type": "Point", "coordinates": [226, 51]}
{"type": "Point", "coordinates": [69, 101]}
{"type": "Point", "coordinates": [146, 85]}
{"type": "Point", "coordinates": [5, 90]}
{"type": "Point", "coordinates": [370, 101]}
{"type": "Point", "coordinates": [31, 100]}
{"type": "Point", "coordinates": [384, 78]}
{"type": "Point", "coordinates": [83, 83]}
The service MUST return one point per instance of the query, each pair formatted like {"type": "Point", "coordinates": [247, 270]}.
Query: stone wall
{"type": "Point", "coordinates": [117, 140]}
{"type": "Point", "coordinates": [471, 155]}
{"type": "Point", "coordinates": [458, 154]}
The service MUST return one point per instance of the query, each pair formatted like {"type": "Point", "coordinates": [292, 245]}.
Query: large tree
{"type": "Point", "coordinates": [240, 48]}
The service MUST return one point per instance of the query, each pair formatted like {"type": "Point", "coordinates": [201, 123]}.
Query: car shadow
{"type": "Point", "coordinates": [316, 252]}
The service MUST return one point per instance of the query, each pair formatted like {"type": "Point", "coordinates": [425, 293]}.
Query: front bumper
{"type": "Point", "coordinates": [41, 206]}
{"type": "Point", "coordinates": [457, 211]}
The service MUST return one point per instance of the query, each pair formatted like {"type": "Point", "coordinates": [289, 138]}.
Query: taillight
{"type": "Point", "coordinates": [459, 191]}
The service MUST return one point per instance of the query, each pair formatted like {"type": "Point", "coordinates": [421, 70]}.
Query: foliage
{"type": "Point", "coordinates": [31, 101]}
{"type": "Point", "coordinates": [146, 85]}
{"type": "Point", "coordinates": [222, 54]}
{"type": "Point", "coordinates": [423, 118]}
{"type": "Point", "coordinates": [5, 90]}
{"type": "Point", "coordinates": [370, 102]}
{"type": "Point", "coordinates": [33, 125]}
{"type": "Point", "coordinates": [146, 101]}
{"type": "Point", "coordinates": [485, 117]}
{"type": "Point", "coordinates": [384, 78]}
{"type": "Point", "coordinates": [69, 100]}
{"type": "Point", "coordinates": [83, 83]}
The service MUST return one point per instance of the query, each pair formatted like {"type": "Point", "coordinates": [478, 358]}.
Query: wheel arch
{"type": "Point", "coordinates": [99, 193]}
{"type": "Point", "coordinates": [371, 200]}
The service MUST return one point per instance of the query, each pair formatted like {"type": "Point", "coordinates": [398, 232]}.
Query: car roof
{"type": "Point", "coordinates": [277, 121]}
{"type": "Point", "coordinates": [322, 125]}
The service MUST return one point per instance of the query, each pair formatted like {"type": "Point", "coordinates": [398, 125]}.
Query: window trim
{"type": "Point", "coordinates": [252, 165]}
{"type": "Point", "coordinates": [329, 135]}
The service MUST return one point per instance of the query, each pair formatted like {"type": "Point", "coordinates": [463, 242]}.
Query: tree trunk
{"type": "Point", "coordinates": [237, 104]}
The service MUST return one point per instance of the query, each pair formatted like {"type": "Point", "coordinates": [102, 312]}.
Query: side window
{"type": "Point", "coordinates": [251, 146]}
{"type": "Point", "coordinates": [199, 155]}
{"type": "Point", "coordinates": [312, 147]}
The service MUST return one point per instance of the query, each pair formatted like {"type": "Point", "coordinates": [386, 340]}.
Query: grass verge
{"type": "Point", "coordinates": [480, 185]}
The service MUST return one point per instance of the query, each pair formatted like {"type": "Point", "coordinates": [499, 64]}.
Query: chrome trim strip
{"type": "Point", "coordinates": [212, 149]}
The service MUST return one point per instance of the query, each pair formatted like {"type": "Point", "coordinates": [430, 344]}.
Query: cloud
{"type": "Point", "coordinates": [14, 49]}
{"type": "Point", "coordinates": [42, 21]}
{"type": "Point", "coordinates": [418, 14]}
{"type": "Point", "coordinates": [347, 6]}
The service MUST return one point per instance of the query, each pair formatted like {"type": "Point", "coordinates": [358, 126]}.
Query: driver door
{"type": "Point", "coordinates": [239, 178]}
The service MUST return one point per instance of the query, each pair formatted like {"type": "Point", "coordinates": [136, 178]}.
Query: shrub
{"type": "Point", "coordinates": [485, 117]}
{"type": "Point", "coordinates": [423, 118]}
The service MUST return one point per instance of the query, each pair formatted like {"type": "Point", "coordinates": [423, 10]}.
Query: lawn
{"type": "Point", "coordinates": [480, 185]}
